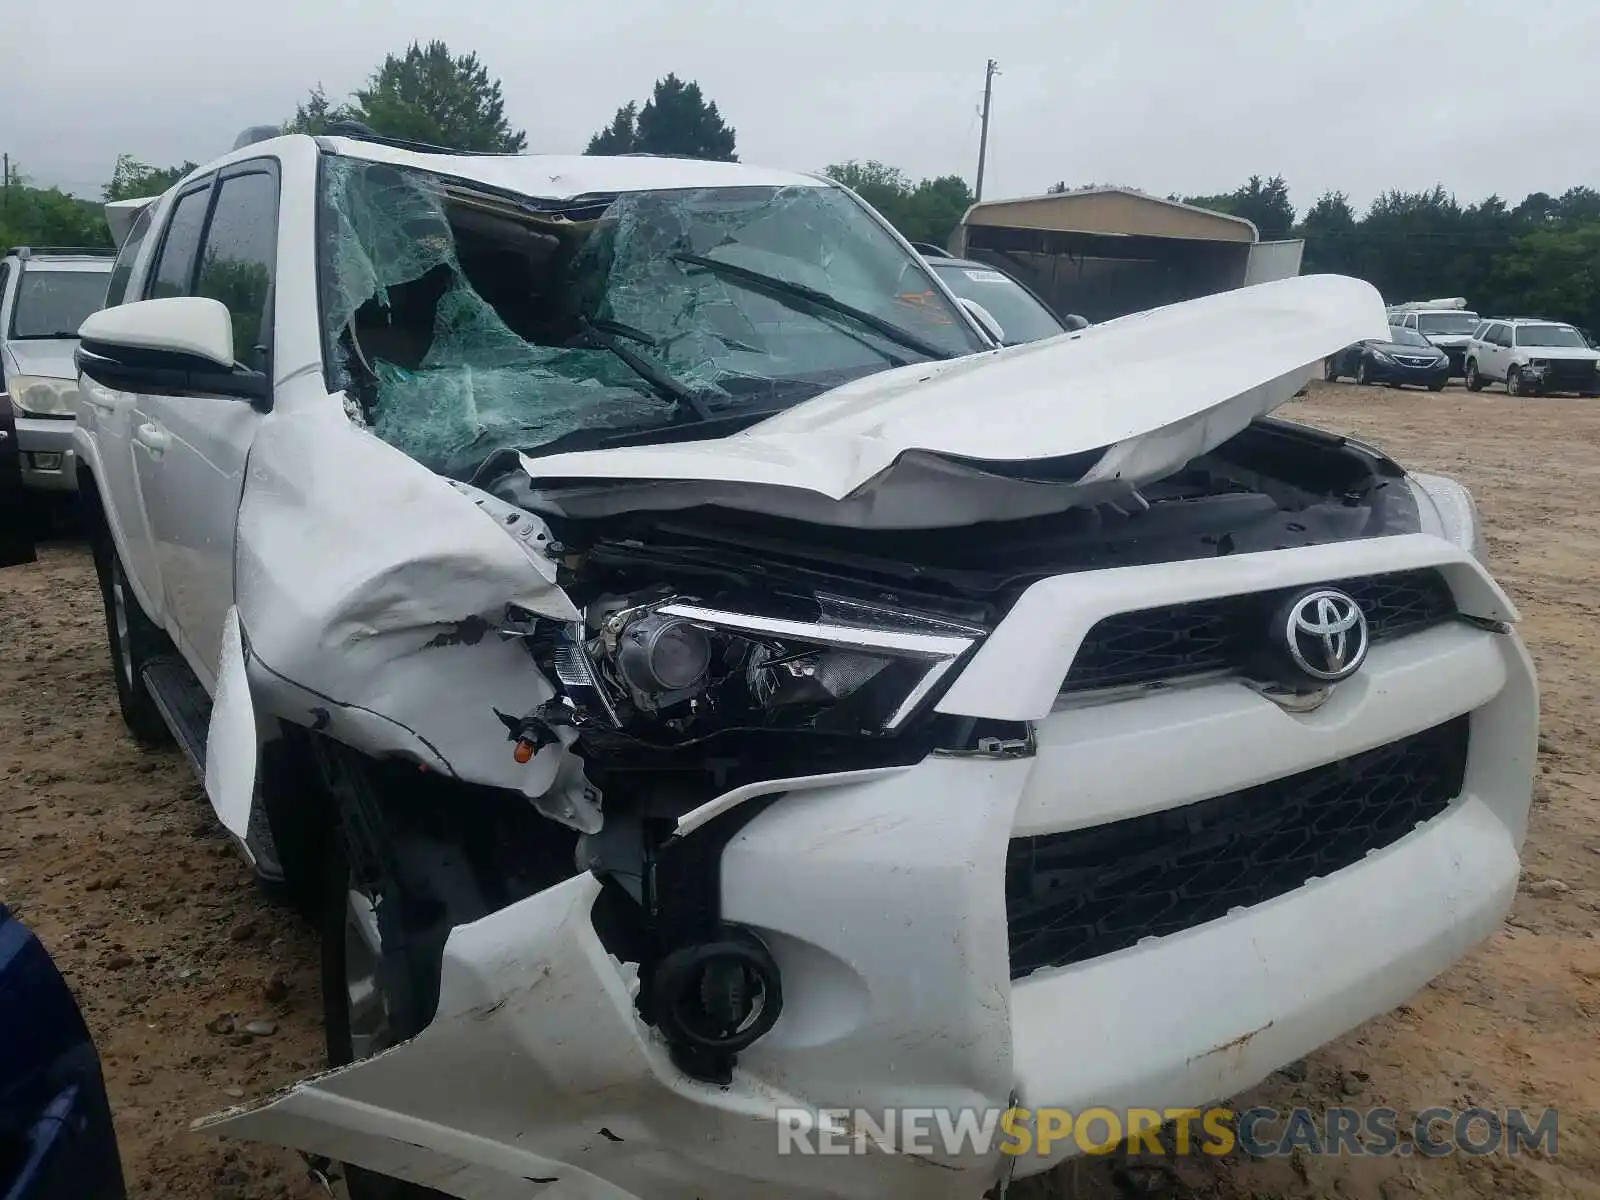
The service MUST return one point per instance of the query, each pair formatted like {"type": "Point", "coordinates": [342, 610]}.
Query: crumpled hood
{"type": "Point", "coordinates": [1562, 353]}
{"type": "Point", "coordinates": [49, 357]}
{"type": "Point", "coordinates": [1004, 434]}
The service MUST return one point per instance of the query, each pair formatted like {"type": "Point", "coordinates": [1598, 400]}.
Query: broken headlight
{"type": "Point", "coordinates": [693, 668]}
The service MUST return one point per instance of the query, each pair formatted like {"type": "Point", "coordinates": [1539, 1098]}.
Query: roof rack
{"type": "Point", "coordinates": [25, 252]}
{"type": "Point", "coordinates": [357, 131]}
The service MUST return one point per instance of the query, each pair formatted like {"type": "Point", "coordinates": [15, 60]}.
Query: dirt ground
{"type": "Point", "coordinates": [112, 856]}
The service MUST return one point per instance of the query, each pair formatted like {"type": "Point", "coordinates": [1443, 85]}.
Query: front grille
{"type": "Point", "coordinates": [1407, 361]}
{"type": "Point", "coordinates": [1078, 895]}
{"type": "Point", "coordinates": [1158, 644]}
{"type": "Point", "coordinates": [1570, 375]}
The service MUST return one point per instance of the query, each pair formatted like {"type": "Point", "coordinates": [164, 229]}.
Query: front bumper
{"type": "Point", "coordinates": [45, 444]}
{"type": "Point", "coordinates": [1557, 376]}
{"type": "Point", "coordinates": [1382, 372]}
{"type": "Point", "coordinates": [882, 896]}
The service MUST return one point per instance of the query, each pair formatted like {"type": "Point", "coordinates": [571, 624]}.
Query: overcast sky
{"type": "Point", "coordinates": [1165, 95]}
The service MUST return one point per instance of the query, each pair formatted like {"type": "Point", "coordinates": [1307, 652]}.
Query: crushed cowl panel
{"type": "Point", "coordinates": [1010, 433]}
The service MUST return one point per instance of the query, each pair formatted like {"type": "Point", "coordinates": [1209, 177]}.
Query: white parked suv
{"type": "Point", "coordinates": [1532, 358]}
{"type": "Point", "coordinates": [690, 674]}
{"type": "Point", "coordinates": [45, 293]}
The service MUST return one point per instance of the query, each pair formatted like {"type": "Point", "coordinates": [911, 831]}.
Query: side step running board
{"type": "Point", "coordinates": [184, 706]}
{"type": "Point", "coordinates": [186, 709]}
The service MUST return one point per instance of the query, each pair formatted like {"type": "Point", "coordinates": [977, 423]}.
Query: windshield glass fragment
{"type": "Point", "coordinates": [465, 321]}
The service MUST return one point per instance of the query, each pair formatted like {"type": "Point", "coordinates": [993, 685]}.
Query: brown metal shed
{"type": "Point", "coordinates": [1105, 251]}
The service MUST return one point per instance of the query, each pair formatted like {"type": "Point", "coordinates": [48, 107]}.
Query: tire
{"type": "Point", "coordinates": [1437, 387]}
{"type": "Point", "coordinates": [350, 1039]}
{"type": "Point", "coordinates": [1474, 381]}
{"type": "Point", "coordinates": [1363, 374]}
{"type": "Point", "coordinates": [1330, 368]}
{"type": "Point", "coordinates": [133, 640]}
{"type": "Point", "coordinates": [1514, 381]}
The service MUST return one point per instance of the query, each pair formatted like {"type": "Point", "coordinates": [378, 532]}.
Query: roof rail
{"type": "Point", "coordinates": [25, 252]}
{"type": "Point", "coordinates": [360, 132]}
{"type": "Point", "coordinates": [929, 250]}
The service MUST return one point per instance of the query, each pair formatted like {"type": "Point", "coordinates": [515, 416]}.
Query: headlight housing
{"type": "Point", "coordinates": [1381, 356]}
{"type": "Point", "coordinates": [1456, 513]}
{"type": "Point", "coordinates": [678, 668]}
{"type": "Point", "coordinates": [42, 396]}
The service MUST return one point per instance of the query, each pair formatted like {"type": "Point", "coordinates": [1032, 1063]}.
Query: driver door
{"type": "Point", "coordinates": [16, 521]}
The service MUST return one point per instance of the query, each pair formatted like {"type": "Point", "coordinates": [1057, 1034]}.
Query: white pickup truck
{"type": "Point", "coordinates": [693, 676]}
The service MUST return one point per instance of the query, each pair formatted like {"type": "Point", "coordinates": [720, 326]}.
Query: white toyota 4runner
{"type": "Point", "coordinates": [693, 675]}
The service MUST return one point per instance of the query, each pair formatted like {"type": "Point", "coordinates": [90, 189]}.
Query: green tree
{"type": "Point", "coordinates": [316, 114]}
{"type": "Point", "coordinates": [1263, 202]}
{"type": "Point", "coordinates": [132, 179]}
{"type": "Point", "coordinates": [48, 217]}
{"type": "Point", "coordinates": [619, 137]}
{"type": "Point", "coordinates": [677, 119]}
{"type": "Point", "coordinates": [923, 212]}
{"type": "Point", "coordinates": [1329, 229]}
{"type": "Point", "coordinates": [424, 95]}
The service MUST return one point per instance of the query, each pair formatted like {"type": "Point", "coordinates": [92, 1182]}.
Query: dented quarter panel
{"type": "Point", "coordinates": [1146, 393]}
{"type": "Point", "coordinates": [372, 593]}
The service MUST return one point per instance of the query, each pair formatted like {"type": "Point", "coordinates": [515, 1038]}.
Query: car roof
{"type": "Point", "coordinates": [547, 176]}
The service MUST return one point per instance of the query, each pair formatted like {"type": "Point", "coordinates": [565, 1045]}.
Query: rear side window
{"type": "Point", "coordinates": [122, 269]}
{"type": "Point", "coordinates": [237, 263]}
{"type": "Point", "coordinates": [174, 273]}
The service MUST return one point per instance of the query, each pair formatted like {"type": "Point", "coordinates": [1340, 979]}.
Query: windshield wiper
{"type": "Point", "coordinates": [787, 289]}
{"type": "Point", "coordinates": [668, 386]}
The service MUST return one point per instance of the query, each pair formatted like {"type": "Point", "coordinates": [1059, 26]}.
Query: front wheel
{"type": "Point", "coordinates": [1514, 384]}
{"type": "Point", "coordinates": [1363, 374]}
{"type": "Point", "coordinates": [360, 1017]}
{"type": "Point", "coordinates": [1330, 369]}
{"type": "Point", "coordinates": [133, 640]}
{"type": "Point", "coordinates": [1474, 380]}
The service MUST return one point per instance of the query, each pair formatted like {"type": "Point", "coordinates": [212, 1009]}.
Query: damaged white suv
{"type": "Point", "coordinates": [696, 679]}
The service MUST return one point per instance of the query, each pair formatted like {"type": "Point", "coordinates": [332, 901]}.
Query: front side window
{"type": "Point", "coordinates": [1447, 322]}
{"type": "Point", "coordinates": [174, 273]}
{"type": "Point", "coordinates": [1021, 317]}
{"type": "Point", "coordinates": [53, 302]}
{"type": "Point", "coordinates": [238, 261]}
{"type": "Point", "coordinates": [122, 269]}
{"type": "Point", "coordinates": [1563, 336]}
{"type": "Point", "coordinates": [464, 322]}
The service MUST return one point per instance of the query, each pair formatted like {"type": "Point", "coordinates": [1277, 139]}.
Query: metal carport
{"type": "Point", "coordinates": [1104, 251]}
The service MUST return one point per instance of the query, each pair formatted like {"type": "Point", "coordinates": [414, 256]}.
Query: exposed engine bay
{"type": "Point", "coordinates": [719, 650]}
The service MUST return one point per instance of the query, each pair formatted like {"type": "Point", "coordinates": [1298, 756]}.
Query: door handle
{"type": "Point", "coordinates": [152, 438]}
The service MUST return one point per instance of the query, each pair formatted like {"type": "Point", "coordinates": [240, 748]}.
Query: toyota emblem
{"type": "Point", "coordinates": [1326, 635]}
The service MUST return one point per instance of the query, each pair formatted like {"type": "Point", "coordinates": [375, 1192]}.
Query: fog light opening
{"type": "Point", "coordinates": [715, 999]}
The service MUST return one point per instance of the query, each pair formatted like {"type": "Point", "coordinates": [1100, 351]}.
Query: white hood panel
{"type": "Point", "coordinates": [950, 443]}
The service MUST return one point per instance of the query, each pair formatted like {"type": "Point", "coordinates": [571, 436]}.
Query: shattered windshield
{"type": "Point", "coordinates": [464, 321]}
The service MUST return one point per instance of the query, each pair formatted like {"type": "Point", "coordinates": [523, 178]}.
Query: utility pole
{"type": "Point", "coordinates": [989, 72]}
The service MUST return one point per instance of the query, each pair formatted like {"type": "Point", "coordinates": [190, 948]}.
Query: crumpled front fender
{"type": "Point", "coordinates": [371, 597]}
